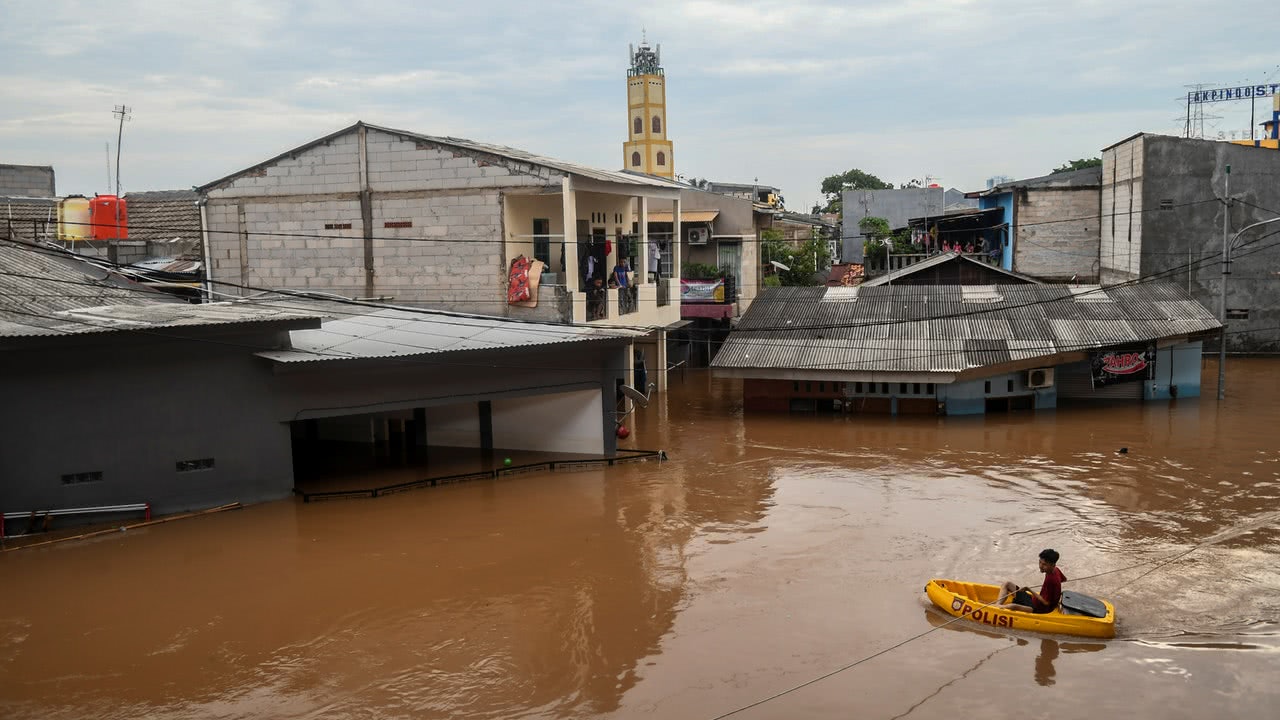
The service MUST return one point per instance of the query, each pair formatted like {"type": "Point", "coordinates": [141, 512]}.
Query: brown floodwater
{"type": "Point", "coordinates": [768, 551]}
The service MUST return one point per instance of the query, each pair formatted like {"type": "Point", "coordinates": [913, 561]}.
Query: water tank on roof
{"type": "Point", "coordinates": [109, 216]}
{"type": "Point", "coordinates": [73, 219]}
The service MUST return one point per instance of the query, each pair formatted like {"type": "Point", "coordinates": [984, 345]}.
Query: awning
{"type": "Point", "coordinates": [686, 216]}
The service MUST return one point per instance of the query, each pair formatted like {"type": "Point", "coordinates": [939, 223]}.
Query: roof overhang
{"type": "Point", "coordinates": [686, 216]}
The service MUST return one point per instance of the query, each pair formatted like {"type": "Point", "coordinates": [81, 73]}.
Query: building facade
{"type": "Point", "coordinates": [1050, 225]}
{"type": "Point", "coordinates": [1168, 207]}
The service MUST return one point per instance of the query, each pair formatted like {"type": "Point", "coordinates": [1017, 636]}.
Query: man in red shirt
{"type": "Point", "coordinates": [1027, 600]}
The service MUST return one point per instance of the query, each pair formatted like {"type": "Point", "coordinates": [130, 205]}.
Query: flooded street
{"type": "Point", "coordinates": [769, 551]}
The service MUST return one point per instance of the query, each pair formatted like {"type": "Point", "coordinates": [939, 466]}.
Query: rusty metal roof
{"type": "Point", "coordinates": [949, 329]}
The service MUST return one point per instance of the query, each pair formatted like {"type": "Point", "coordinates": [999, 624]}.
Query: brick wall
{"type": "Point", "coordinates": [436, 214]}
{"type": "Point", "coordinates": [1057, 233]}
{"type": "Point", "coordinates": [26, 181]}
{"type": "Point", "coordinates": [1120, 246]}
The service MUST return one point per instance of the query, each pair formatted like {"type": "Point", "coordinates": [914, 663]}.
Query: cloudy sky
{"type": "Point", "coordinates": [786, 92]}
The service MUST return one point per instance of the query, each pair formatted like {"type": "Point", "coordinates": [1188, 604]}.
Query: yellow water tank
{"type": "Point", "coordinates": [73, 219]}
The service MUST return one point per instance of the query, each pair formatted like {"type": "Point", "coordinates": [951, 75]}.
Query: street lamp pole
{"type": "Point", "coordinates": [1227, 246]}
{"type": "Point", "coordinates": [1222, 299]}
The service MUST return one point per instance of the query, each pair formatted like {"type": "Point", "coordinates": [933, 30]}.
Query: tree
{"type": "Point", "coordinates": [1080, 164]}
{"type": "Point", "coordinates": [853, 179]}
{"type": "Point", "coordinates": [804, 262]}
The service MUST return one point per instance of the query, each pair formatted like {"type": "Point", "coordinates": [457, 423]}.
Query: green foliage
{"type": "Point", "coordinates": [805, 261]}
{"type": "Point", "coordinates": [853, 179]}
{"type": "Point", "coordinates": [699, 271]}
{"type": "Point", "coordinates": [1080, 164]}
{"type": "Point", "coordinates": [879, 239]}
{"type": "Point", "coordinates": [772, 281]}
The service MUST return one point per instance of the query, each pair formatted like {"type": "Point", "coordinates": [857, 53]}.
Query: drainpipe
{"type": "Point", "coordinates": [203, 203]}
{"type": "Point", "coordinates": [1222, 299]}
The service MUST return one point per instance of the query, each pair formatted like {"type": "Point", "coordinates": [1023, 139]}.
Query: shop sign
{"type": "Point", "coordinates": [702, 291]}
{"type": "Point", "coordinates": [1117, 366]}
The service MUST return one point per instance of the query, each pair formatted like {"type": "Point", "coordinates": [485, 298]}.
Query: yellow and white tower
{"type": "Point", "coordinates": [647, 148]}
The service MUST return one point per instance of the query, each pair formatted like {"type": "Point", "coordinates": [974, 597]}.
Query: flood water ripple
{"type": "Point", "coordinates": [769, 550]}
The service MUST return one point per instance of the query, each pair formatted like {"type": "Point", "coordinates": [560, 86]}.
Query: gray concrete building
{"type": "Point", "coordinates": [35, 181]}
{"type": "Point", "coordinates": [1051, 224]}
{"type": "Point", "coordinates": [1163, 205]}
{"type": "Point", "coordinates": [895, 206]}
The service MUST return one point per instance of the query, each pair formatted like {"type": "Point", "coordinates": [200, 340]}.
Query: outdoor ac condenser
{"type": "Point", "coordinates": [699, 236]}
{"type": "Point", "coordinates": [1040, 378]}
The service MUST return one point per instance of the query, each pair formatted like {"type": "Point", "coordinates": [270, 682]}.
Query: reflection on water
{"type": "Point", "coordinates": [772, 549]}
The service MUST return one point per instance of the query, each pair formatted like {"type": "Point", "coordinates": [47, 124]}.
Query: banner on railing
{"type": "Point", "coordinates": [702, 291]}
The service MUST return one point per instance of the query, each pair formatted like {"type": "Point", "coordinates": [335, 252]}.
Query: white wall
{"type": "Point", "coordinates": [562, 422]}
{"type": "Point", "coordinates": [454, 425]}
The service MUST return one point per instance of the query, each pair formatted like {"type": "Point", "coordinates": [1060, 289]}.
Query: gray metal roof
{"type": "Point", "coordinates": [625, 177]}
{"type": "Point", "coordinates": [950, 328]}
{"type": "Point", "coordinates": [36, 282]}
{"type": "Point", "coordinates": [407, 332]}
{"type": "Point", "coordinates": [940, 259]}
{"type": "Point", "coordinates": [1084, 178]}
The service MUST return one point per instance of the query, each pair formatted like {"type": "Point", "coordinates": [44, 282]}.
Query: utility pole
{"type": "Point", "coordinates": [1226, 270]}
{"type": "Point", "coordinates": [123, 113]}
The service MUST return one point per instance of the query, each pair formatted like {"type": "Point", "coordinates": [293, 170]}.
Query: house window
{"type": "Point", "coordinates": [884, 388]}
{"type": "Point", "coordinates": [857, 388]}
{"type": "Point", "coordinates": [902, 388]}
{"type": "Point", "coordinates": [795, 386]}
{"type": "Point", "coordinates": [638, 126]}
{"type": "Point", "coordinates": [337, 226]}
{"type": "Point", "coordinates": [662, 158]}
{"type": "Point", "coordinates": [822, 387]}
{"type": "Point", "coordinates": [808, 387]}
{"type": "Point", "coordinates": [1009, 386]}
{"type": "Point", "coordinates": [542, 240]}
{"type": "Point", "coordinates": [635, 159]}
{"type": "Point", "coordinates": [193, 465]}
{"type": "Point", "coordinates": [929, 388]}
{"type": "Point", "coordinates": [986, 387]}
{"type": "Point", "coordinates": [916, 389]}
{"type": "Point", "coordinates": [398, 224]}
{"type": "Point", "coordinates": [657, 126]}
{"type": "Point", "coordinates": [82, 478]}
{"type": "Point", "coordinates": [1237, 313]}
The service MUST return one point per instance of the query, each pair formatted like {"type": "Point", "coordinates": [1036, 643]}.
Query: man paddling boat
{"type": "Point", "coordinates": [1026, 600]}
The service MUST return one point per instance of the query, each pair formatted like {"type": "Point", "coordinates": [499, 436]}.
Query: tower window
{"type": "Point", "coordinates": [638, 125]}
{"type": "Point", "coordinates": [662, 158]}
{"type": "Point", "coordinates": [635, 159]}
{"type": "Point", "coordinates": [657, 124]}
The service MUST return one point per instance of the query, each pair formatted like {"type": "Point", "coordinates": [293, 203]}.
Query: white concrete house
{"type": "Point", "coordinates": [373, 212]}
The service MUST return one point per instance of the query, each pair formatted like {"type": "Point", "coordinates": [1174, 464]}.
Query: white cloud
{"type": "Point", "coordinates": [787, 92]}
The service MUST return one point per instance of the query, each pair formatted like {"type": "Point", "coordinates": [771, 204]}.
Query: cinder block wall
{"type": "Point", "coordinates": [435, 211]}
{"type": "Point", "coordinates": [1058, 232]}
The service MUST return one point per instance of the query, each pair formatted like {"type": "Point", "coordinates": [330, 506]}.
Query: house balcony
{"type": "Point", "coordinates": [714, 299]}
{"type": "Point", "coordinates": [894, 263]}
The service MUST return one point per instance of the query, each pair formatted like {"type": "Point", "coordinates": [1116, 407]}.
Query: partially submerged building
{"type": "Point", "coordinates": [964, 349]}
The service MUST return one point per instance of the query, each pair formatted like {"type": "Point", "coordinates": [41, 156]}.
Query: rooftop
{"type": "Point", "coordinates": [859, 332]}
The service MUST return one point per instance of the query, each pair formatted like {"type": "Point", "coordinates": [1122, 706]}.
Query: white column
{"type": "Point", "coordinates": [643, 277]}
{"type": "Point", "coordinates": [675, 245]}
{"type": "Point", "coordinates": [573, 279]}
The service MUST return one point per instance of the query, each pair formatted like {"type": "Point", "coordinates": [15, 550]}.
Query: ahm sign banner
{"type": "Point", "coordinates": [1243, 92]}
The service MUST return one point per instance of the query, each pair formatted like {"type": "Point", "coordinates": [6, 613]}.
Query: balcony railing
{"type": "Point", "coordinates": [894, 263]}
{"type": "Point", "coordinates": [628, 300]}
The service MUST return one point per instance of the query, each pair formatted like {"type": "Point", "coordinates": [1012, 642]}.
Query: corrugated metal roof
{"type": "Point", "coordinates": [625, 177]}
{"type": "Point", "coordinates": [164, 215]}
{"type": "Point", "coordinates": [924, 328]}
{"type": "Point", "coordinates": [405, 332]}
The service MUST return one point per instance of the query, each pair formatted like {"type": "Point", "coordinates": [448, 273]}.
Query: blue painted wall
{"type": "Point", "coordinates": [1004, 201]}
{"type": "Point", "coordinates": [1177, 366]}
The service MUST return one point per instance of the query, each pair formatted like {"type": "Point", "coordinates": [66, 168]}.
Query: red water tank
{"type": "Point", "coordinates": [109, 216]}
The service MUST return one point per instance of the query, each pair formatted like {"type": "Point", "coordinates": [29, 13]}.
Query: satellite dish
{"type": "Point", "coordinates": [779, 265]}
{"type": "Point", "coordinates": [639, 398]}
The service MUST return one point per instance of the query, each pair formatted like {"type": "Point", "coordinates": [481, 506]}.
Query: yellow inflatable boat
{"type": "Point", "coordinates": [1077, 614]}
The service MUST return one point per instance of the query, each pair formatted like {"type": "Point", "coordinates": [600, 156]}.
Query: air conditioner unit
{"type": "Point", "coordinates": [699, 235]}
{"type": "Point", "coordinates": [1040, 378]}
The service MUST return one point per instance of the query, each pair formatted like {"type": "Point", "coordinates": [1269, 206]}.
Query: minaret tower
{"type": "Point", "coordinates": [647, 148]}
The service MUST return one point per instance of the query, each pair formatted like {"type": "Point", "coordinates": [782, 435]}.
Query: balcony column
{"type": "Point", "coordinates": [642, 258]}
{"type": "Point", "coordinates": [676, 243]}
{"type": "Point", "coordinates": [572, 275]}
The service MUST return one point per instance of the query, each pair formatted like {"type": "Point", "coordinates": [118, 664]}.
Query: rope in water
{"type": "Point", "coordinates": [1260, 522]}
